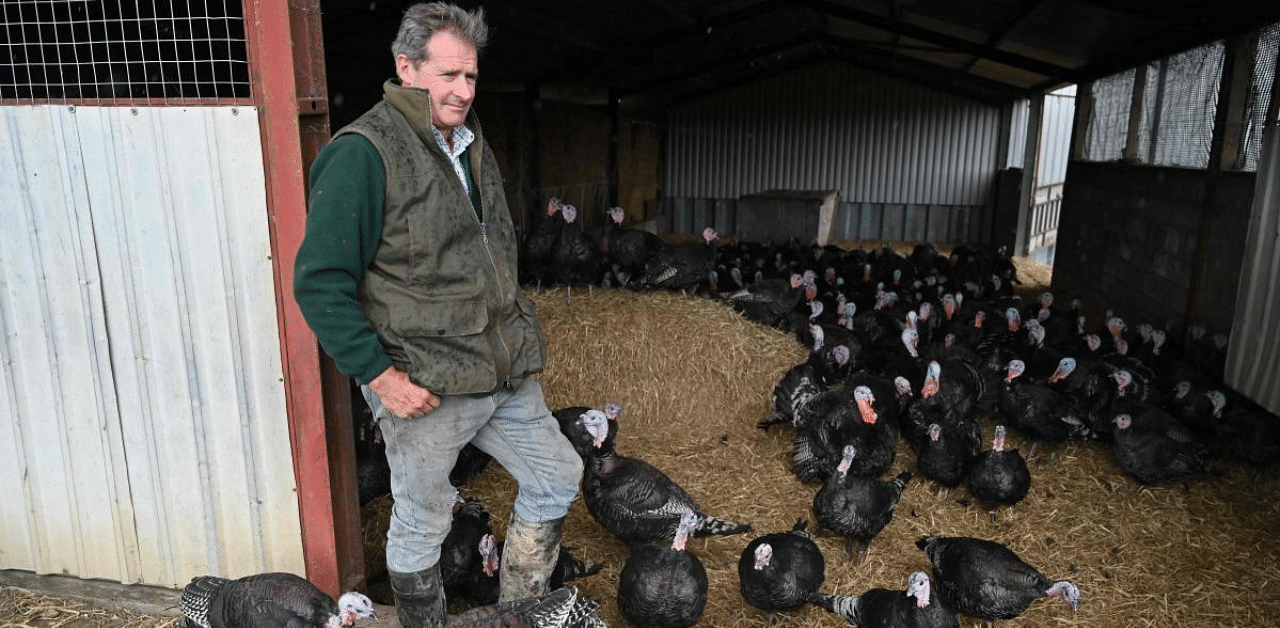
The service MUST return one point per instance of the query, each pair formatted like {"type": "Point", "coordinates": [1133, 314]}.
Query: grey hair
{"type": "Point", "coordinates": [423, 20]}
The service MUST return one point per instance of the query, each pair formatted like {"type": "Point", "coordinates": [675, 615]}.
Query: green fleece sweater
{"type": "Point", "coordinates": [345, 205]}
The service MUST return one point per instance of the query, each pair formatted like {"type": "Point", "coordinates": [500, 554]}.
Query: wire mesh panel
{"type": "Point", "coordinates": [1264, 74]}
{"type": "Point", "coordinates": [1108, 124]}
{"type": "Point", "coordinates": [136, 51]}
{"type": "Point", "coordinates": [1178, 110]}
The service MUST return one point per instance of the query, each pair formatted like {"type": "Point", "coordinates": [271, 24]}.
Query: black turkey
{"type": "Point", "coordinates": [561, 608]}
{"type": "Point", "coordinates": [634, 500]}
{"type": "Point", "coordinates": [664, 586]}
{"type": "Point", "coordinates": [373, 472]}
{"type": "Point", "coordinates": [834, 419]}
{"type": "Point", "coordinates": [480, 585]}
{"type": "Point", "coordinates": [987, 580]}
{"type": "Point", "coordinates": [949, 398]}
{"type": "Point", "coordinates": [767, 301]}
{"type": "Point", "coordinates": [576, 257]}
{"type": "Point", "coordinates": [1154, 455]}
{"type": "Point", "coordinates": [857, 507]}
{"type": "Point", "coordinates": [947, 453]}
{"type": "Point", "coordinates": [570, 420]}
{"type": "Point", "coordinates": [798, 385]}
{"type": "Point", "coordinates": [683, 267]}
{"type": "Point", "coordinates": [999, 476]}
{"type": "Point", "coordinates": [1087, 386]}
{"type": "Point", "coordinates": [1245, 430]}
{"type": "Point", "coordinates": [268, 600]}
{"type": "Point", "coordinates": [1041, 414]}
{"type": "Point", "coordinates": [917, 607]}
{"type": "Point", "coordinates": [461, 553]}
{"type": "Point", "coordinates": [630, 249]}
{"type": "Point", "coordinates": [537, 251]}
{"type": "Point", "coordinates": [781, 571]}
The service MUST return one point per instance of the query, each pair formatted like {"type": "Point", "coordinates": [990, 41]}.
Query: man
{"type": "Point", "coordinates": [407, 274]}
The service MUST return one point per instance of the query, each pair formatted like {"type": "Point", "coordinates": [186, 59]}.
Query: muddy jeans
{"type": "Point", "coordinates": [513, 426]}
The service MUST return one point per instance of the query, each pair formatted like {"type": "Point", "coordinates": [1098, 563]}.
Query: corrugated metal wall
{"type": "Point", "coordinates": [880, 142]}
{"type": "Point", "coordinates": [1253, 360]}
{"type": "Point", "coordinates": [142, 401]}
{"type": "Point", "coordinates": [875, 139]}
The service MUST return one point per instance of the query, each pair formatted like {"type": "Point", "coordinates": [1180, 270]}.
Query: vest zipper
{"type": "Point", "coordinates": [497, 280]}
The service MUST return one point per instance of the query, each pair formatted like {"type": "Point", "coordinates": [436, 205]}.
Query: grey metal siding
{"type": "Point", "coordinates": [142, 410]}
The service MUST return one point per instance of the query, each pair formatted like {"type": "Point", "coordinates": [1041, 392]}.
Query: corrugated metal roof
{"type": "Point", "coordinates": [142, 389]}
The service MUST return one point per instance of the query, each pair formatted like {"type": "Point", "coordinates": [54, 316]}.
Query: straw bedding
{"type": "Point", "coordinates": [693, 378]}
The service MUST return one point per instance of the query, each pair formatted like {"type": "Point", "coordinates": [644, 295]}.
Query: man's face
{"type": "Point", "coordinates": [449, 74]}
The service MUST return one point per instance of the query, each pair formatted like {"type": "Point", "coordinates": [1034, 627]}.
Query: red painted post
{"type": "Point", "coordinates": [270, 27]}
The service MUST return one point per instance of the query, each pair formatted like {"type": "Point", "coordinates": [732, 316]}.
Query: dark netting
{"type": "Point", "coordinates": [1178, 108]}
{"type": "Point", "coordinates": [1108, 119]}
{"type": "Point", "coordinates": [1264, 73]}
{"type": "Point", "coordinates": [120, 49]}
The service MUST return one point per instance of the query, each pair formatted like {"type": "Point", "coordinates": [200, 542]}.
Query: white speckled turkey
{"type": "Point", "coordinates": [268, 600]}
{"type": "Point", "coordinates": [561, 608]}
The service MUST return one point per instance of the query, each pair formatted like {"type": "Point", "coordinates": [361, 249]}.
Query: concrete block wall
{"type": "Point", "coordinates": [1138, 240]}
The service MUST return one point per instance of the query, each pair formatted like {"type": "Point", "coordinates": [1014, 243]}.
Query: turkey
{"type": "Point", "coordinates": [683, 267]}
{"type": "Point", "coordinates": [1154, 455]}
{"type": "Point", "coordinates": [664, 586]}
{"type": "Point", "coordinates": [1245, 430]}
{"type": "Point", "coordinates": [857, 507]}
{"type": "Point", "coordinates": [987, 580]}
{"type": "Point", "coordinates": [767, 301]}
{"type": "Point", "coordinates": [798, 385]}
{"type": "Point", "coordinates": [999, 476]}
{"type": "Point", "coordinates": [950, 401]}
{"type": "Point", "coordinates": [634, 500]}
{"type": "Point", "coordinates": [946, 454]}
{"type": "Point", "coordinates": [1041, 414]}
{"type": "Point", "coordinates": [538, 247]}
{"type": "Point", "coordinates": [1086, 384]}
{"type": "Point", "coordinates": [834, 419]}
{"type": "Point", "coordinates": [781, 571]}
{"type": "Point", "coordinates": [480, 585]}
{"type": "Point", "coordinates": [630, 249]}
{"type": "Point", "coordinates": [268, 600]}
{"type": "Point", "coordinates": [460, 558]}
{"type": "Point", "coordinates": [571, 425]}
{"type": "Point", "coordinates": [917, 607]}
{"type": "Point", "coordinates": [576, 257]}
{"type": "Point", "coordinates": [477, 579]}
{"type": "Point", "coordinates": [561, 608]}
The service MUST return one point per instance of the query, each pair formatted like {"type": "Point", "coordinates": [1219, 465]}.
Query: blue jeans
{"type": "Point", "coordinates": [513, 426]}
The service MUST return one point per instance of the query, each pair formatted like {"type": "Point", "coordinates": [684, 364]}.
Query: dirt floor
{"type": "Point", "coordinates": [693, 383]}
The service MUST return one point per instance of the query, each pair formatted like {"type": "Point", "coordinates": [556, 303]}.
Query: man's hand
{"type": "Point", "coordinates": [402, 397]}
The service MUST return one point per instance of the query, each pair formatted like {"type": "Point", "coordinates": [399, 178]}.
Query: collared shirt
{"type": "Point", "coordinates": [462, 138]}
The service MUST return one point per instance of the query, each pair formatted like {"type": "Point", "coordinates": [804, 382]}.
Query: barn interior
{"type": "Point", "coordinates": [584, 96]}
{"type": "Point", "coordinates": [587, 101]}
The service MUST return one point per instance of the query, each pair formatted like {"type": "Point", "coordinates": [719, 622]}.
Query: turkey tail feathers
{"type": "Point", "coordinates": [197, 596]}
{"type": "Point", "coordinates": [842, 605]}
{"type": "Point", "coordinates": [712, 525]}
